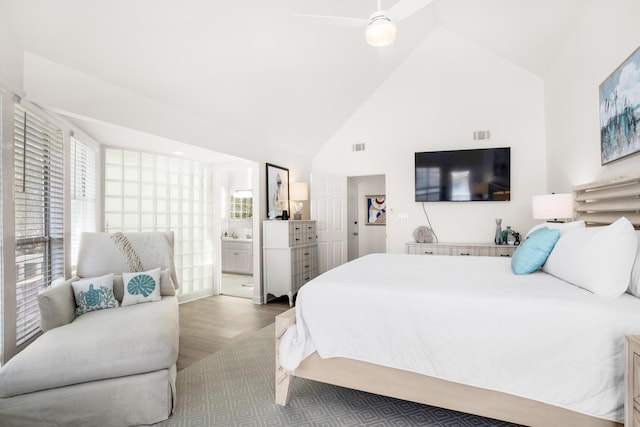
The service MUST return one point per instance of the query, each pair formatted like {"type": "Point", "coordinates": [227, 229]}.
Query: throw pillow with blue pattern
{"type": "Point", "coordinates": [95, 293]}
{"type": "Point", "coordinates": [141, 287]}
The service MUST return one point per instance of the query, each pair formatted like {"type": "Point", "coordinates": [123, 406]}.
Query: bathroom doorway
{"type": "Point", "coordinates": [236, 226]}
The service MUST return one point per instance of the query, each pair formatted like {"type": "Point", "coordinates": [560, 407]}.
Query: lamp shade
{"type": "Point", "coordinates": [299, 191]}
{"type": "Point", "coordinates": [380, 31]}
{"type": "Point", "coordinates": [553, 206]}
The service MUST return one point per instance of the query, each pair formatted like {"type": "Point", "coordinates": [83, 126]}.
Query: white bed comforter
{"type": "Point", "coordinates": [472, 321]}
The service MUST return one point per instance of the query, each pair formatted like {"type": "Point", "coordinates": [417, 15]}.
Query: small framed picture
{"type": "Point", "coordinates": [277, 190]}
{"type": "Point", "coordinates": [376, 213]}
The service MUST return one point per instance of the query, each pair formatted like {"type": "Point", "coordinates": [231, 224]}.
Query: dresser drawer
{"type": "Point", "coordinates": [302, 233]}
{"type": "Point", "coordinates": [460, 249]}
{"type": "Point", "coordinates": [303, 259]}
{"type": "Point", "coordinates": [301, 278]}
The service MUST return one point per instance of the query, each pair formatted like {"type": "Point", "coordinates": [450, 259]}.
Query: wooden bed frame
{"type": "Point", "coordinates": [600, 202]}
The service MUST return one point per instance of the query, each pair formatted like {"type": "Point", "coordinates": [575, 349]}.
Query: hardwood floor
{"type": "Point", "coordinates": [209, 324]}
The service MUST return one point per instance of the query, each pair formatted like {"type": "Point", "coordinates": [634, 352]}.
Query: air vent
{"type": "Point", "coordinates": [358, 147]}
{"type": "Point", "coordinates": [480, 135]}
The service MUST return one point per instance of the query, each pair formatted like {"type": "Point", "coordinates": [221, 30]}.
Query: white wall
{"type": "Point", "coordinates": [605, 34]}
{"type": "Point", "coordinates": [11, 62]}
{"type": "Point", "coordinates": [444, 91]}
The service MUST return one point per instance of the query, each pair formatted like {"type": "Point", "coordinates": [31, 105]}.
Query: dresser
{"type": "Point", "coordinates": [469, 249]}
{"type": "Point", "coordinates": [632, 382]}
{"type": "Point", "coordinates": [290, 256]}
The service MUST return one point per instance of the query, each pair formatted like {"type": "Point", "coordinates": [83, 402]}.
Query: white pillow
{"type": "Point", "coordinates": [598, 259]}
{"type": "Point", "coordinates": [95, 293]}
{"type": "Point", "coordinates": [562, 226]}
{"type": "Point", "coordinates": [634, 283]}
{"type": "Point", "coordinates": [141, 287]}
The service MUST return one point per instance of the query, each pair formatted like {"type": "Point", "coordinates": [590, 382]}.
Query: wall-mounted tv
{"type": "Point", "coordinates": [463, 175]}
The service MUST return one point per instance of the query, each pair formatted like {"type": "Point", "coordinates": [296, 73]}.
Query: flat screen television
{"type": "Point", "coordinates": [463, 175]}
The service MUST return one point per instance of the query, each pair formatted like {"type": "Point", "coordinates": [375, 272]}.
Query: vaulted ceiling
{"type": "Point", "coordinates": [281, 80]}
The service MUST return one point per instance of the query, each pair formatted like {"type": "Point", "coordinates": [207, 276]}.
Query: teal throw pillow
{"type": "Point", "coordinates": [95, 293]}
{"type": "Point", "coordinates": [533, 252]}
{"type": "Point", "coordinates": [141, 287]}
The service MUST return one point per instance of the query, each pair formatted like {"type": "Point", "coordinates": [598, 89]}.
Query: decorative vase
{"type": "Point", "coordinates": [498, 240]}
{"type": "Point", "coordinates": [508, 238]}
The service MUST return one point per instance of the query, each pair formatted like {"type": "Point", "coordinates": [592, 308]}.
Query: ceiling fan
{"type": "Point", "coordinates": [380, 27]}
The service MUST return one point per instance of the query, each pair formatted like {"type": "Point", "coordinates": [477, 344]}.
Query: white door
{"type": "Point", "coordinates": [329, 209]}
{"type": "Point", "coordinates": [352, 222]}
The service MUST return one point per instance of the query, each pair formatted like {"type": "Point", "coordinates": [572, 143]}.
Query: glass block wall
{"type": "Point", "coordinates": [151, 192]}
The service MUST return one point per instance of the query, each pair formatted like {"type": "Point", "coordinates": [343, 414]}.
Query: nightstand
{"type": "Point", "coordinates": [632, 382]}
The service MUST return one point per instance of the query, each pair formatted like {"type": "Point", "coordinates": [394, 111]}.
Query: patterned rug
{"type": "Point", "coordinates": [235, 387]}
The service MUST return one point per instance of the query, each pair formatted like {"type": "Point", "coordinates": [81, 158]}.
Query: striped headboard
{"type": "Point", "coordinates": [603, 202]}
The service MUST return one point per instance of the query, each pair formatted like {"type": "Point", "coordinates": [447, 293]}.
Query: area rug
{"type": "Point", "coordinates": [235, 387]}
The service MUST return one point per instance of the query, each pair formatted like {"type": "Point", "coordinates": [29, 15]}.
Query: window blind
{"type": "Point", "coordinates": [83, 194]}
{"type": "Point", "coordinates": [39, 226]}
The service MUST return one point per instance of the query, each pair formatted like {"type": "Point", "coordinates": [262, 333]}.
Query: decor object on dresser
{"type": "Point", "coordinates": [107, 366]}
{"type": "Point", "coordinates": [376, 210]}
{"type": "Point", "coordinates": [290, 256]}
{"type": "Point", "coordinates": [422, 234]}
{"type": "Point", "coordinates": [498, 239]}
{"type": "Point", "coordinates": [619, 111]}
{"type": "Point", "coordinates": [553, 207]}
{"type": "Point", "coordinates": [299, 193]}
{"type": "Point", "coordinates": [277, 189]}
{"type": "Point", "coordinates": [461, 303]}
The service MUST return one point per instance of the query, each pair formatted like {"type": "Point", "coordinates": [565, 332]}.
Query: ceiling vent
{"type": "Point", "coordinates": [358, 147]}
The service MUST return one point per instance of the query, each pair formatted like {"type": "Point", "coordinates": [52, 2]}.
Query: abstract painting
{"type": "Point", "coordinates": [277, 191]}
{"type": "Point", "coordinates": [376, 210]}
{"type": "Point", "coordinates": [620, 111]}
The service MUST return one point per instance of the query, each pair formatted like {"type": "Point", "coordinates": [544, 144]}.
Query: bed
{"type": "Point", "coordinates": [557, 350]}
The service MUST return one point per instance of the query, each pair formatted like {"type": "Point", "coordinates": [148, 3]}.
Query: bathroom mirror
{"type": "Point", "coordinates": [241, 204]}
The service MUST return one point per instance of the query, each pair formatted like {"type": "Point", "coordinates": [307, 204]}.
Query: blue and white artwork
{"type": "Point", "coordinates": [620, 111]}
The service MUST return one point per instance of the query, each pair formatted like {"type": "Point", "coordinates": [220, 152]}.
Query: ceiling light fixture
{"type": "Point", "coordinates": [380, 31]}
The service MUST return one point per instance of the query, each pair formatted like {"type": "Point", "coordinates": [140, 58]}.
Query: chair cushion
{"type": "Point", "coordinates": [97, 345]}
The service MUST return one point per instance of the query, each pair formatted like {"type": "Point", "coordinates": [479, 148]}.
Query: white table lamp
{"type": "Point", "coordinates": [553, 207]}
{"type": "Point", "coordinates": [299, 193]}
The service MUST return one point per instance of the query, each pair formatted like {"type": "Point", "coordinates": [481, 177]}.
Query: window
{"type": "Point", "coordinates": [150, 192]}
{"type": "Point", "coordinates": [241, 205]}
{"type": "Point", "coordinates": [38, 194]}
{"type": "Point", "coordinates": [83, 194]}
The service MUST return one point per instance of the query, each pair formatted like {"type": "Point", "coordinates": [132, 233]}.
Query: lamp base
{"type": "Point", "coordinates": [297, 216]}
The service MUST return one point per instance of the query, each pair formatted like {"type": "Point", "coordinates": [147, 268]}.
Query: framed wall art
{"type": "Point", "coordinates": [277, 190]}
{"type": "Point", "coordinates": [376, 213]}
{"type": "Point", "coordinates": [620, 111]}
